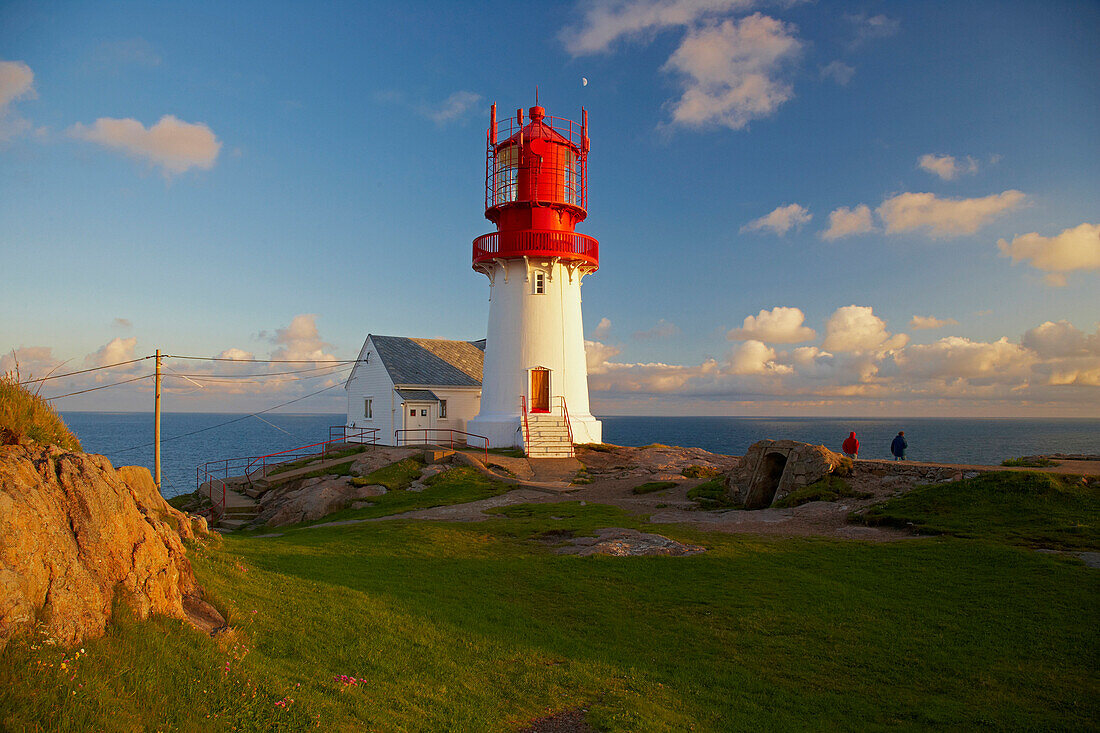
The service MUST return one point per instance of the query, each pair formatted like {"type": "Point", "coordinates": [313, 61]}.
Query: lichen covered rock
{"type": "Point", "coordinates": [76, 533]}
{"type": "Point", "coordinates": [312, 499]}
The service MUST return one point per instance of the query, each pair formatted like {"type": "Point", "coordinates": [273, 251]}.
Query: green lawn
{"type": "Point", "coordinates": [1017, 507]}
{"type": "Point", "coordinates": [474, 626]}
{"type": "Point", "coordinates": [651, 486]}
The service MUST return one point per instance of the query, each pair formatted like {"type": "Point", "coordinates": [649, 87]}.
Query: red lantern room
{"type": "Point", "coordinates": [536, 190]}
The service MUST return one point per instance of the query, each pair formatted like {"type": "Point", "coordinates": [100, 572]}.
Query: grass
{"type": "Point", "coordinates": [826, 488]}
{"type": "Point", "coordinates": [395, 476]}
{"type": "Point", "coordinates": [700, 472]}
{"type": "Point", "coordinates": [582, 478]}
{"type": "Point", "coordinates": [598, 447]}
{"type": "Point", "coordinates": [1015, 507]}
{"type": "Point", "coordinates": [24, 415]}
{"type": "Point", "coordinates": [650, 486]}
{"type": "Point", "coordinates": [712, 494]}
{"type": "Point", "coordinates": [474, 626]}
{"type": "Point", "coordinates": [1029, 462]}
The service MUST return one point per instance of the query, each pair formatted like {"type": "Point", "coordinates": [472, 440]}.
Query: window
{"type": "Point", "coordinates": [423, 413]}
{"type": "Point", "coordinates": [412, 412]}
{"type": "Point", "coordinates": [443, 408]}
{"type": "Point", "coordinates": [540, 283]}
{"type": "Point", "coordinates": [368, 411]}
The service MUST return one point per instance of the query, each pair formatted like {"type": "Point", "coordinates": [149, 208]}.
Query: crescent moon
{"type": "Point", "coordinates": [584, 81]}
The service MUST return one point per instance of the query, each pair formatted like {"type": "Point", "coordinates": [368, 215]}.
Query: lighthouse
{"type": "Point", "coordinates": [535, 381]}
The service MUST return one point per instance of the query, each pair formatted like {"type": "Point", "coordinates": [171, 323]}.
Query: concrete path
{"type": "Point", "coordinates": [1073, 468]}
{"type": "Point", "coordinates": [272, 479]}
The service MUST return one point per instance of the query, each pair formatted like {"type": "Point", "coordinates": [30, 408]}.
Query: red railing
{"type": "Point", "coordinates": [249, 467]}
{"type": "Point", "coordinates": [526, 429]}
{"type": "Point", "coordinates": [401, 437]}
{"type": "Point", "coordinates": [538, 243]}
{"type": "Point", "coordinates": [565, 414]}
{"type": "Point", "coordinates": [503, 161]}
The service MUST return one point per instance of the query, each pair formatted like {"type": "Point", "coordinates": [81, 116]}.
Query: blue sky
{"type": "Point", "coordinates": [320, 177]}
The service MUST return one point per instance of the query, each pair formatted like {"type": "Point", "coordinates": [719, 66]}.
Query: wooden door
{"type": "Point", "coordinates": [540, 390]}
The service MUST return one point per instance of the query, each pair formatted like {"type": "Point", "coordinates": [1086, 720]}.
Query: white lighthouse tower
{"type": "Point", "coordinates": [535, 381]}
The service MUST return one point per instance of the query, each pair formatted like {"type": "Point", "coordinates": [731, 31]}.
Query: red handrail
{"type": "Point", "coordinates": [537, 243]}
{"type": "Point", "coordinates": [526, 429]}
{"type": "Point", "coordinates": [565, 415]}
{"type": "Point", "coordinates": [399, 436]}
{"type": "Point", "coordinates": [209, 472]}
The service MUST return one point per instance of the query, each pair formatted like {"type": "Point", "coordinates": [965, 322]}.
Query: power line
{"type": "Point", "coordinates": [230, 422]}
{"type": "Point", "coordinates": [85, 371]}
{"type": "Point", "coordinates": [264, 361]}
{"type": "Point", "coordinates": [102, 386]}
{"type": "Point", "coordinates": [261, 374]}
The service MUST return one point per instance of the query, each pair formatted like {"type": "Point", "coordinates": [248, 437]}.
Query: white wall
{"type": "Point", "coordinates": [372, 380]}
{"type": "Point", "coordinates": [528, 330]}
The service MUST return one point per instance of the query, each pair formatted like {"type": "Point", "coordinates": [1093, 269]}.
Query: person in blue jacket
{"type": "Point", "coordinates": [898, 446]}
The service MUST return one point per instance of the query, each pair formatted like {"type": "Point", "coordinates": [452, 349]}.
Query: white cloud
{"type": "Point", "coordinates": [1061, 339]}
{"type": "Point", "coordinates": [756, 357]}
{"type": "Point", "coordinates": [603, 328]}
{"type": "Point", "coordinates": [946, 166]}
{"type": "Point", "coordinates": [781, 220]}
{"type": "Point", "coordinates": [871, 26]}
{"type": "Point", "coordinates": [114, 351]}
{"type": "Point", "coordinates": [923, 323]}
{"type": "Point", "coordinates": [845, 222]}
{"type": "Point", "coordinates": [662, 330]}
{"type": "Point", "coordinates": [16, 82]}
{"type": "Point", "coordinates": [955, 357]}
{"type": "Point", "coordinates": [607, 21]}
{"type": "Point", "coordinates": [938, 217]}
{"type": "Point", "coordinates": [855, 328]}
{"type": "Point", "coordinates": [301, 341]}
{"type": "Point", "coordinates": [237, 354]}
{"type": "Point", "coordinates": [598, 356]}
{"type": "Point", "coordinates": [453, 107]}
{"type": "Point", "coordinates": [731, 71]}
{"type": "Point", "coordinates": [780, 325]}
{"type": "Point", "coordinates": [838, 71]}
{"type": "Point", "coordinates": [31, 361]}
{"type": "Point", "coordinates": [1074, 249]}
{"type": "Point", "coordinates": [171, 143]}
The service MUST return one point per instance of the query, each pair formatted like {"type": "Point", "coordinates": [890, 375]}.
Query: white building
{"type": "Point", "coordinates": [413, 384]}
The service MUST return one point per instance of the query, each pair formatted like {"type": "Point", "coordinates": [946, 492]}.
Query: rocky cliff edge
{"type": "Point", "coordinates": [75, 533]}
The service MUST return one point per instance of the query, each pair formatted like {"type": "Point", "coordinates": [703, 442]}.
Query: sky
{"type": "Point", "coordinates": [803, 208]}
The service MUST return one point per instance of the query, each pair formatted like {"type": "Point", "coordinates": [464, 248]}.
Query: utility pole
{"type": "Point", "coordinates": [156, 425]}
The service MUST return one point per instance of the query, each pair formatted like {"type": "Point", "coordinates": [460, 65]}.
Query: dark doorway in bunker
{"type": "Point", "coordinates": [767, 481]}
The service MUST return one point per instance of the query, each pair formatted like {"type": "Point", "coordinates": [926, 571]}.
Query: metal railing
{"type": "Point", "coordinates": [526, 429]}
{"type": "Point", "coordinates": [569, 166]}
{"type": "Point", "coordinates": [401, 437]}
{"type": "Point", "coordinates": [537, 243]}
{"type": "Point", "coordinates": [563, 411]}
{"type": "Point", "coordinates": [249, 467]}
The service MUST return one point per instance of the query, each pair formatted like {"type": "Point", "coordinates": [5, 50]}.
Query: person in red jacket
{"type": "Point", "coordinates": [851, 446]}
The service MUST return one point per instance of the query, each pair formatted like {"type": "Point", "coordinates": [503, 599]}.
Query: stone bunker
{"type": "Point", "coordinates": [772, 469]}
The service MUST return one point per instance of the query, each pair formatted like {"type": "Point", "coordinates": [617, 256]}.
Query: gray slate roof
{"type": "Point", "coordinates": [431, 362]}
{"type": "Point", "coordinates": [417, 395]}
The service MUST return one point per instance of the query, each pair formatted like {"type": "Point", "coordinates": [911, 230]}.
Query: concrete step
{"type": "Point", "coordinates": [231, 523]}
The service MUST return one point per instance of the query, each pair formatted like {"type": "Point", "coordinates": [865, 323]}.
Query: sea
{"type": "Point", "coordinates": [190, 439]}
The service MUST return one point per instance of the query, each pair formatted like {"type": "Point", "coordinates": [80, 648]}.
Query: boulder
{"type": "Point", "coordinates": [772, 469]}
{"type": "Point", "coordinates": [620, 542]}
{"type": "Point", "coordinates": [313, 499]}
{"type": "Point", "coordinates": [76, 533]}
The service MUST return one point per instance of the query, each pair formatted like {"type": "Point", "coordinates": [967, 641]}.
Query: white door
{"type": "Point", "coordinates": [418, 415]}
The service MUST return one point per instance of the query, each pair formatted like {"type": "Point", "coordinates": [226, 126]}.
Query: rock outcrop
{"type": "Point", "coordinates": [772, 469]}
{"type": "Point", "coordinates": [620, 542]}
{"type": "Point", "coordinates": [76, 533]}
{"type": "Point", "coordinates": [312, 499]}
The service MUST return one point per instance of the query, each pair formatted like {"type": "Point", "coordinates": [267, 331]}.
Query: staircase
{"type": "Point", "coordinates": [548, 436]}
